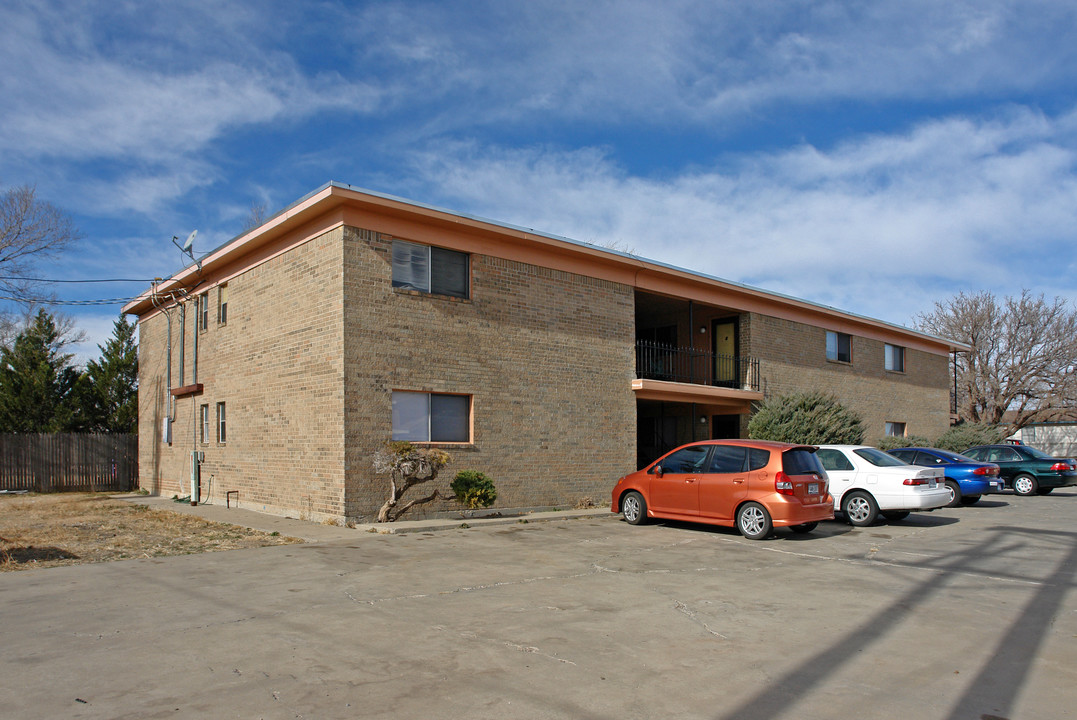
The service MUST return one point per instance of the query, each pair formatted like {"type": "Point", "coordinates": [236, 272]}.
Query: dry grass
{"type": "Point", "coordinates": [75, 528]}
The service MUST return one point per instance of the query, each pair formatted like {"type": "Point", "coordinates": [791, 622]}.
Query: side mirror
{"type": "Point", "coordinates": [658, 471]}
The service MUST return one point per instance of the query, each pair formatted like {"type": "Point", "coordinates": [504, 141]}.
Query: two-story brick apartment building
{"type": "Point", "coordinates": [287, 356]}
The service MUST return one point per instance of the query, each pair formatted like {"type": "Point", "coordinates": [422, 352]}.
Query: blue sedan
{"type": "Point", "coordinates": [966, 479]}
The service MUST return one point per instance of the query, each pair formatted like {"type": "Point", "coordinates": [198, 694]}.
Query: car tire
{"type": "Point", "coordinates": [804, 528]}
{"type": "Point", "coordinates": [634, 508]}
{"type": "Point", "coordinates": [970, 499]}
{"type": "Point", "coordinates": [859, 508]}
{"type": "Point", "coordinates": [1044, 491]}
{"type": "Point", "coordinates": [895, 515]}
{"type": "Point", "coordinates": [955, 493]}
{"type": "Point", "coordinates": [1025, 485]}
{"type": "Point", "coordinates": [753, 521]}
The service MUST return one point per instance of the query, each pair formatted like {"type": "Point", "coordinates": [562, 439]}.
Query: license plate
{"type": "Point", "coordinates": [813, 488]}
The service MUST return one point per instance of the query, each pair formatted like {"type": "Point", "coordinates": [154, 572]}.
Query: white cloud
{"type": "Point", "coordinates": [881, 225]}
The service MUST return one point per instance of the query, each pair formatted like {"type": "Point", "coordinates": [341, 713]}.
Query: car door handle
{"type": "Point", "coordinates": [738, 481]}
{"type": "Point", "coordinates": [690, 480]}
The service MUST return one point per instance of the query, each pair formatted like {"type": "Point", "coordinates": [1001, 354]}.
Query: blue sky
{"type": "Point", "coordinates": [873, 156]}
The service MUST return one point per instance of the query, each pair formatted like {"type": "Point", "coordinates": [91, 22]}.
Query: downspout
{"type": "Point", "coordinates": [196, 463]}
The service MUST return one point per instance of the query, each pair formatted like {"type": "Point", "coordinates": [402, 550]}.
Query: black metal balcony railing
{"type": "Point", "coordinates": [658, 361]}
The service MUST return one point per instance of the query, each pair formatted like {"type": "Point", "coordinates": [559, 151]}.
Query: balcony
{"type": "Point", "coordinates": [666, 363]}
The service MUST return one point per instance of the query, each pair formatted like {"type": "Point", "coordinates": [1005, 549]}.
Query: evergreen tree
{"type": "Point", "coordinates": [112, 400]}
{"type": "Point", "coordinates": [40, 391]}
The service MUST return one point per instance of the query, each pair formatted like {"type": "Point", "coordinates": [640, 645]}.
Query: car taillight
{"type": "Point", "coordinates": [782, 484]}
{"type": "Point", "coordinates": [1059, 467]}
{"type": "Point", "coordinates": [985, 470]}
{"type": "Point", "coordinates": [915, 481]}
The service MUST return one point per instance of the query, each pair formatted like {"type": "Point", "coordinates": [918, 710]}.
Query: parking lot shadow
{"type": "Point", "coordinates": [994, 691]}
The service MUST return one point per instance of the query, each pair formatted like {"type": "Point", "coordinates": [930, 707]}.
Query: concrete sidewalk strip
{"type": "Point", "coordinates": [323, 532]}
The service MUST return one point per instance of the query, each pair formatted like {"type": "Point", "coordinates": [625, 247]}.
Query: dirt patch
{"type": "Point", "coordinates": [74, 528]}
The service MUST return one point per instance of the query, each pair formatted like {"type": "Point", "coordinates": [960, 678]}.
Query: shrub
{"type": "Point", "coordinates": [962, 437]}
{"type": "Point", "coordinates": [812, 418]}
{"type": "Point", "coordinates": [891, 442]}
{"type": "Point", "coordinates": [473, 489]}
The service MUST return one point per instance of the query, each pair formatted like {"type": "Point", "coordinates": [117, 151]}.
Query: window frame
{"type": "Point", "coordinates": [430, 279]}
{"type": "Point", "coordinates": [203, 423]}
{"type": "Point", "coordinates": [892, 353]}
{"type": "Point", "coordinates": [430, 415]}
{"type": "Point", "coordinates": [837, 355]}
{"type": "Point", "coordinates": [893, 424]}
{"type": "Point", "coordinates": [203, 311]}
{"type": "Point", "coordinates": [222, 423]}
{"type": "Point", "coordinates": [222, 304]}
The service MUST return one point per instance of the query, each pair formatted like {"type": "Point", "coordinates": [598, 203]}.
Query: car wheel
{"type": "Point", "coordinates": [895, 515]}
{"type": "Point", "coordinates": [1025, 485]}
{"type": "Point", "coordinates": [955, 493]}
{"type": "Point", "coordinates": [634, 508]}
{"type": "Point", "coordinates": [1044, 491]}
{"type": "Point", "coordinates": [805, 528]}
{"type": "Point", "coordinates": [859, 508]}
{"type": "Point", "coordinates": [970, 499]}
{"type": "Point", "coordinates": [753, 521]}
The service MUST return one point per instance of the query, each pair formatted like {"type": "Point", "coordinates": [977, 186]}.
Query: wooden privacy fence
{"type": "Point", "coordinates": [63, 462]}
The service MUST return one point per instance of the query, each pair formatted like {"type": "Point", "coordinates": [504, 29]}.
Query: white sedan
{"type": "Point", "coordinates": [866, 481]}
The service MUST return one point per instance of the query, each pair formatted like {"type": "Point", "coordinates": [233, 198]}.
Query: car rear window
{"type": "Point", "coordinates": [877, 457]}
{"type": "Point", "coordinates": [801, 462]}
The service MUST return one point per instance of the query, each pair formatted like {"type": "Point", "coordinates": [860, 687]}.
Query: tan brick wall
{"type": "Point", "coordinates": [546, 355]}
{"type": "Point", "coordinates": [793, 359]}
{"type": "Point", "coordinates": [277, 364]}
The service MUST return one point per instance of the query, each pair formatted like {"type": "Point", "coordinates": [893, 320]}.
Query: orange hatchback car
{"type": "Point", "coordinates": [753, 485]}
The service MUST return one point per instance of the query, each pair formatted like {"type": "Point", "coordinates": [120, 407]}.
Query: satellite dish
{"type": "Point", "coordinates": [189, 242]}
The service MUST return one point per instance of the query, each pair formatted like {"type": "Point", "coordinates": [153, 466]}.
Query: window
{"type": "Point", "coordinates": [431, 417]}
{"type": "Point", "coordinates": [221, 434]}
{"type": "Point", "coordinates": [839, 347]}
{"type": "Point", "coordinates": [834, 460]}
{"type": "Point", "coordinates": [203, 311]}
{"type": "Point", "coordinates": [203, 417]}
{"type": "Point", "coordinates": [685, 460]}
{"type": "Point", "coordinates": [894, 358]}
{"type": "Point", "coordinates": [430, 269]}
{"type": "Point", "coordinates": [877, 457]}
{"type": "Point", "coordinates": [895, 429]}
{"type": "Point", "coordinates": [222, 304]}
{"type": "Point", "coordinates": [727, 459]}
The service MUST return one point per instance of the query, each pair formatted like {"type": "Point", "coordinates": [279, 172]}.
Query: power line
{"type": "Point", "coordinates": [44, 301]}
{"type": "Point", "coordinates": [50, 280]}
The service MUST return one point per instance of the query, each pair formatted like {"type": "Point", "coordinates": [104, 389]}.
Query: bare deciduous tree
{"type": "Point", "coordinates": [257, 216]}
{"type": "Point", "coordinates": [30, 229]}
{"type": "Point", "coordinates": [1022, 366]}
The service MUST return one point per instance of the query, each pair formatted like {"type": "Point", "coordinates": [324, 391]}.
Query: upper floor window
{"type": "Point", "coordinates": [203, 311]}
{"type": "Point", "coordinates": [839, 347]}
{"type": "Point", "coordinates": [222, 435]}
{"type": "Point", "coordinates": [431, 417]}
{"type": "Point", "coordinates": [203, 411]}
{"type": "Point", "coordinates": [430, 269]}
{"type": "Point", "coordinates": [894, 358]}
{"type": "Point", "coordinates": [895, 429]}
{"type": "Point", "coordinates": [222, 304]}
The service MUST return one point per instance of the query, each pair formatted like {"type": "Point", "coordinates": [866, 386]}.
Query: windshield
{"type": "Point", "coordinates": [878, 458]}
{"type": "Point", "coordinates": [1037, 453]}
{"type": "Point", "coordinates": [955, 457]}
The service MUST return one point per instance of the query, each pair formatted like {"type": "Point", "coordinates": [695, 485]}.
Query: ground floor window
{"type": "Point", "coordinates": [431, 417]}
{"type": "Point", "coordinates": [221, 434]}
{"type": "Point", "coordinates": [895, 429]}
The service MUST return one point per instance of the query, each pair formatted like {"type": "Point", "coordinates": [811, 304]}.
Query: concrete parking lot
{"type": "Point", "coordinates": [968, 612]}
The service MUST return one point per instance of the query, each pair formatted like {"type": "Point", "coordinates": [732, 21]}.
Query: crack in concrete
{"type": "Point", "coordinates": [691, 615]}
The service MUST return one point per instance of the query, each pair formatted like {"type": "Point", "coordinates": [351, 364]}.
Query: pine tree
{"type": "Point", "coordinates": [113, 382]}
{"type": "Point", "coordinates": [40, 391]}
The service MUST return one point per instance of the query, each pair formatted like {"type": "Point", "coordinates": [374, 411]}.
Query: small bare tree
{"type": "Point", "coordinates": [1022, 366]}
{"type": "Point", "coordinates": [30, 229]}
{"type": "Point", "coordinates": [407, 466]}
